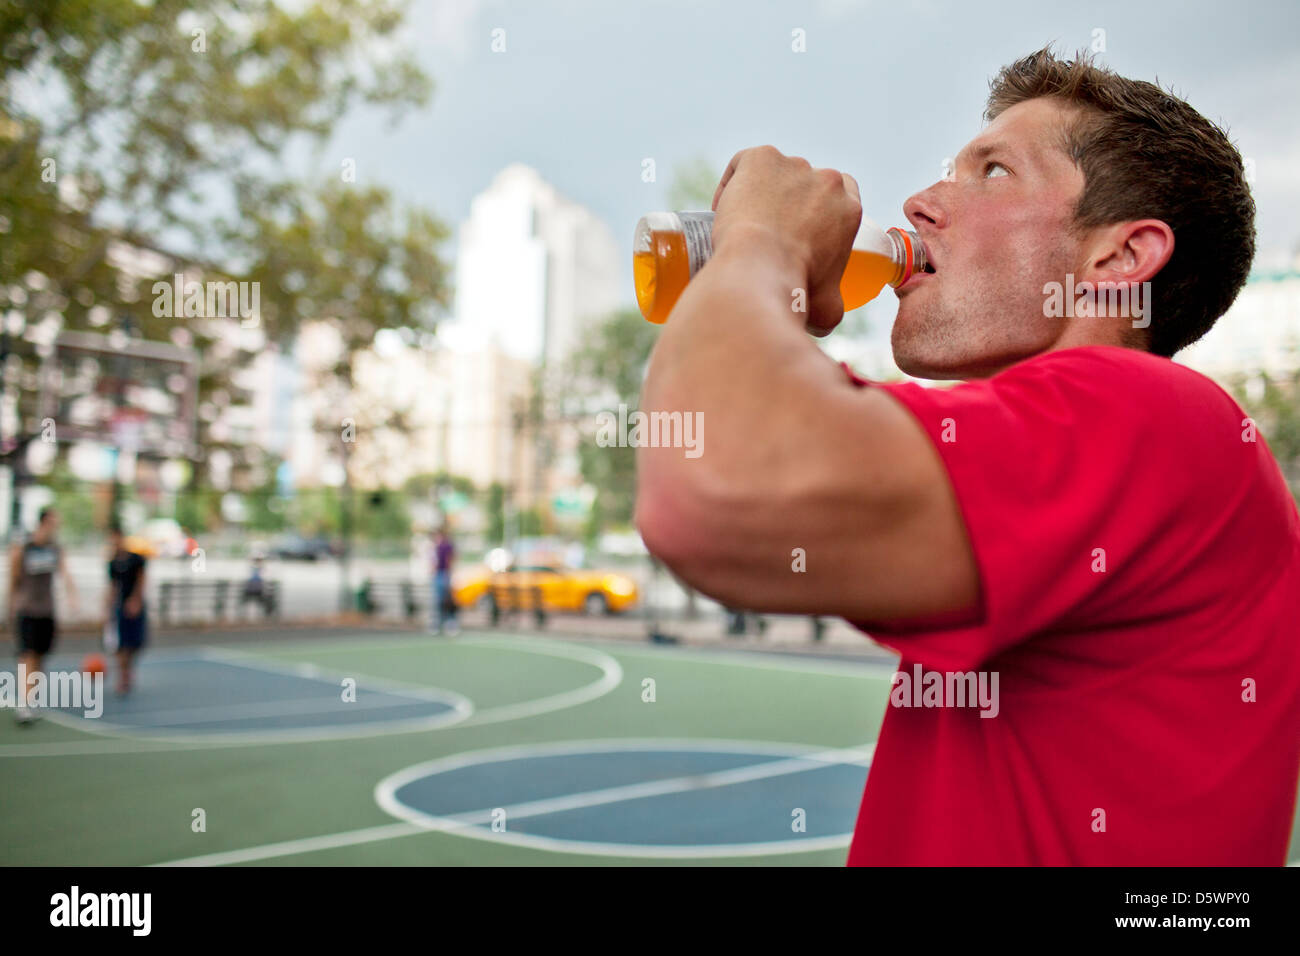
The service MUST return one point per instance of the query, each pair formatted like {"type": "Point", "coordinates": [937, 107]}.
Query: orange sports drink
{"type": "Point", "coordinates": [669, 248]}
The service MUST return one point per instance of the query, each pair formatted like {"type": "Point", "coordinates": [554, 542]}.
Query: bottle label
{"type": "Point", "coordinates": [697, 227]}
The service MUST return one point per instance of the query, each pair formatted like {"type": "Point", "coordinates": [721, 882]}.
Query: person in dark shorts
{"type": "Point", "coordinates": [32, 567]}
{"type": "Point", "coordinates": [125, 604]}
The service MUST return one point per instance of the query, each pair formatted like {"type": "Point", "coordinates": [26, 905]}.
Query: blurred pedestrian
{"type": "Point", "coordinates": [124, 604]}
{"type": "Point", "coordinates": [444, 604]}
{"type": "Point", "coordinates": [255, 589]}
{"type": "Point", "coordinates": [32, 567]}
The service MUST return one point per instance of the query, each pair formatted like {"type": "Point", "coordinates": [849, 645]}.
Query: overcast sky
{"type": "Point", "coordinates": [587, 89]}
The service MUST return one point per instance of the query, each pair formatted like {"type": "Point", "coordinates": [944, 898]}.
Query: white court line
{"type": "Point", "coordinates": [611, 677]}
{"type": "Point", "coordinates": [458, 708]}
{"type": "Point", "coordinates": [650, 788]}
{"type": "Point", "coordinates": [268, 851]}
{"type": "Point", "coordinates": [314, 672]}
{"type": "Point", "coordinates": [796, 759]}
{"type": "Point", "coordinates": [763, 660]}
{"type": "Point", "coordinates": [118, 741]}
{"type": "Point", "coordinates": [160, 719]}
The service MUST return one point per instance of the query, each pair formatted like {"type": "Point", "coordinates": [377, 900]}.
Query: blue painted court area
{"type": "Point", "coordinates": [593, 796]}
{"type": "Point", "coordinates": [200, 695]}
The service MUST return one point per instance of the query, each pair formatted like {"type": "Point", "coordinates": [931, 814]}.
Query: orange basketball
{"type": "Point", "coordinates": [93, 664]}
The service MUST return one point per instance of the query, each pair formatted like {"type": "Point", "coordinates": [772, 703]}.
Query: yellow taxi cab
{"type": "Point", "coordinates": [561, 588]}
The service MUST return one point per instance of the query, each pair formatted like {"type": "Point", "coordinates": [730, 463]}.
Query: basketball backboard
{"type": "Point", "coordinates": [135, 395]}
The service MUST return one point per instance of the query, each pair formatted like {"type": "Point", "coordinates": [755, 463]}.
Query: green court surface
{"type": "Point", "coordinates": [126, 793]}
{"type": "Point", "coordinates": [394, 748]}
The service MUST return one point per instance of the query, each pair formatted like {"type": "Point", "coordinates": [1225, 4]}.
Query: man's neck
{"type": "Point", "coordinates": [1074, 336]}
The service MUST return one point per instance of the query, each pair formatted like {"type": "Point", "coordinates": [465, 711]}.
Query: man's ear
{"type": "Point", "coordinates": [1129, 252]}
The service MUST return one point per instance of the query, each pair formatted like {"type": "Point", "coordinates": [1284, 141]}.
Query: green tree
{"type": "Point", "coordinates": [315, 511]}
{"type": "Point", "coordinates": [198, 510]}
{"type": "Point", "coordinates": [530, 523]}
{"type": "Point", "coordinates": [74, 501]}
{"type": "Point", "coordinates": [608, 369]}
{"type": "Point", "coordinates": [138, 123]}
{"type": "Point", "coordinates": [427, 485]}
{"type": "Point", "coordinates": [604, 373]}
{"type": "Point", "coordinates": [267, 510]}
{"type": "Point", "coordinates": [1273, 403]}
{"type": "Point", "coordinates": [384, 516]}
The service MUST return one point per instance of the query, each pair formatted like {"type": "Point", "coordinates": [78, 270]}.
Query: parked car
{"type": "Point", "coordinates": [562, 588]}
{"type": "Point", "coordinates": [296, 547]}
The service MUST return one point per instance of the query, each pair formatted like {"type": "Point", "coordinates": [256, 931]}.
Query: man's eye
{"type": "Point", "coordinates": [989, 167]}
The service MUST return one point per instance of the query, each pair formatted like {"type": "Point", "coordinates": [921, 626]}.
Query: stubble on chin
{"type": "Point", "coordinates": [926, 342]}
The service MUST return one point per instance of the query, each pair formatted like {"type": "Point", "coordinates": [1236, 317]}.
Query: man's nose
{"type": "Point", "coordinates": [925, 208]}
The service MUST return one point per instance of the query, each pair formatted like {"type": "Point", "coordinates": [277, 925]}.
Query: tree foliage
{"type": "Point", "coordinates": [1273, 403]}
{"type": "Point", "coordinates": [166, 127]}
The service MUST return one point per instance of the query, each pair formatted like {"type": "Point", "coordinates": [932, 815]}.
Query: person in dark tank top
{"type": "Point", "coordinates": [32, 567]}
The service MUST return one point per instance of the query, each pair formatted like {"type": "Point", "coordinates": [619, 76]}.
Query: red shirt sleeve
{"type": "Point", "coordinates": [1091, 482]}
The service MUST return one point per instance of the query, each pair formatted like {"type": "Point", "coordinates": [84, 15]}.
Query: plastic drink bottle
{"type": "Point", "coordinates": [669, 248]}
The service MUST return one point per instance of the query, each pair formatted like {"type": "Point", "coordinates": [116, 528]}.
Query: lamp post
{"type": "Point", "coordinates": [121, 367]}
{"type": "Point", "coordinates": [12, 450]}
{"type": "Point", "coordinates": [345, 531]}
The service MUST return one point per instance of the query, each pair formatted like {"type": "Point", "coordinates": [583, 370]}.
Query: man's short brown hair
{"type": "Point", "coordinates": [1146, 154]}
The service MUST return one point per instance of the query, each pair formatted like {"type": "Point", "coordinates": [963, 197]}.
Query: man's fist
{"type": "Point", "coordinates": [813, 213]}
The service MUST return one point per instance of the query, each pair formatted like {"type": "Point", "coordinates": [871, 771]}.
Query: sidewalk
{"type": "Point", "coordinates": [784, 634]}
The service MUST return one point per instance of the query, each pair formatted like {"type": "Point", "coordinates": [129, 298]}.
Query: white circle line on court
{"type": "Point", "coordinates": [269, 851]}
{"type": "Point", "coordinates": [309, 671]}
{"type": "Point", "coordinates": [459, 709]}
{"type": "Point", "coordinates": [792, 752]}
{"type": "Point", "coordinates": [123, 741]}
{"type": "Point", "coordinates": [797, 759]}
{"type": "Point", "coordinates": [611, 677]}
{"type": "Point", "coordinates": [764, 660]}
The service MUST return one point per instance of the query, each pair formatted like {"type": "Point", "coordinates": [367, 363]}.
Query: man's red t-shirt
{"type": "Point", "coordinates": [1139, 564]}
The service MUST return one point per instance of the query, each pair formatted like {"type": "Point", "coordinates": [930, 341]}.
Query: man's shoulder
{"type": "Point", "coordinates": [1102, 375]}
{"type": "Point", "coordinates": [1112, 360]}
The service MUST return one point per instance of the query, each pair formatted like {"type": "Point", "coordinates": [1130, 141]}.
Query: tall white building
{"type": "Point", "coordinates": [532, 268]}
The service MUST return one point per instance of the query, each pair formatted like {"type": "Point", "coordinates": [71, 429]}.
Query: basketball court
{"type": "Point", "coordinates": [489, 748]}
{"type": "Point", "coordinates": [381, 748]}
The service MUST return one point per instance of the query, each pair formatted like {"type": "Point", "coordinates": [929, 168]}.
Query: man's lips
{"type": "Point", "coordinates": [916, 279]}
{"type": "Point", "coordinates": [919, 277]}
